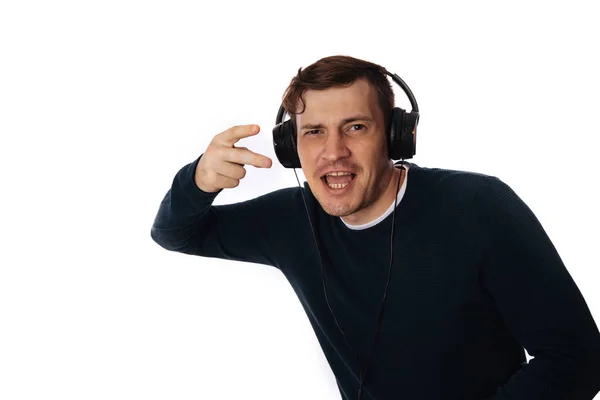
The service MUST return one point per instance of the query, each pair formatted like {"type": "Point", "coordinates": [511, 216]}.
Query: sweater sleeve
{"type": "Point", "coordinates": [188, 222]}
{"type": "Point", "coordinates": [539, 302]}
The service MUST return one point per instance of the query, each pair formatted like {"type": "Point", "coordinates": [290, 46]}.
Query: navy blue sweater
{"type": "Point", "coordinates": [475, 281]}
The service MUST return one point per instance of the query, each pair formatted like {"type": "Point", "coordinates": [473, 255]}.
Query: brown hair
{"type": "Point", "coordinates": [338, 71]}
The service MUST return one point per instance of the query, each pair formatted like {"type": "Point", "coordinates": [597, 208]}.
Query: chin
{"type": "Point", "coordinates": [341, 210]}
{"type": "Point", "coordinates": [335, 202]}
{"type": "Point", "coordinates": [336, 207]}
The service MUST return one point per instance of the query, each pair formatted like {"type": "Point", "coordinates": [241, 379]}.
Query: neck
{"type": "Point", "coordinates": [387, 197]}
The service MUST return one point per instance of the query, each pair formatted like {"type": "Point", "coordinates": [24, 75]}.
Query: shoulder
{"type": "Point", "coordinates": [280, 198]}
{"type": "Point", "coordinates": [436, 177]}
{"type": "Point", "coordinates": [446, 187]}
{"type": "Point", "coordinates": [498, 203]}
{"type": "Point", "coordinates": [276, 205]}
{"type": "Point", "coordinates": [482, 199]}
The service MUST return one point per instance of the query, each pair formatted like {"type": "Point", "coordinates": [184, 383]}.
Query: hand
{"type": "Point", "coordinates": [222, 165]}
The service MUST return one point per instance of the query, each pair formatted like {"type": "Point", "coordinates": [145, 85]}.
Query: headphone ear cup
{"type": "Point", "coordinates": [409, 134]}
{"type": "Point", "coordinates": [394, 130]}
{"type": "Point", "coordinates": [285, 144]}
{"type": "Point", "coordinates": [401, 140]}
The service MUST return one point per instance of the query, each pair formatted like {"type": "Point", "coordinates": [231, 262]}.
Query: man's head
{"type": "Point", "coordinates": [340, 107]}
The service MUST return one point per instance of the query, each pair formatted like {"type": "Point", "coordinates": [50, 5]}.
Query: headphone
{"type": "Point", "coordinates": [401, 142]}
{"type": "Point", "coordinates": [400, 135]}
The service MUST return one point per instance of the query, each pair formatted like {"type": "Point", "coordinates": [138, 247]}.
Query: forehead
{"type": "Point", "coordinates": [360, 98]}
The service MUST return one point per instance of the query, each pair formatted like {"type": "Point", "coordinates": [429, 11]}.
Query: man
{"type": "Point", "coordinates": [421, 288]}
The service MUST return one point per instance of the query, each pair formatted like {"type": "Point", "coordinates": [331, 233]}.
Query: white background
{"type": "Point", "coordinates": [101, 103]}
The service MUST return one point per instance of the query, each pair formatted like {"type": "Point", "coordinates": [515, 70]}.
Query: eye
{"type": "Point", "coordinates": [357, 126]}
{"type": "Point", "coordinates": [311, 132]}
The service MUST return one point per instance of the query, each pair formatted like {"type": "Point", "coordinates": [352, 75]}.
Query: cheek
{"type": "Point", "coordinates": [307, 164]}
{"type": "Point", "coordinates": [306, 156]}
{"type": "Point", "coordinates": [302, 151]}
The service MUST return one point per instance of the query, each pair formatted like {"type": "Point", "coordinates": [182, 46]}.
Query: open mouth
{"type": "Point", "coordinates": [338, 181]}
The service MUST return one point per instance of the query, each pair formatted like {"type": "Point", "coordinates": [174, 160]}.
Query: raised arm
{"type": "Point", "coordinates": [187, 222]}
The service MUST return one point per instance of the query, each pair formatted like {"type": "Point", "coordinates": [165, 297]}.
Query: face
{"type": "Point", "coordinates": [341, 131]}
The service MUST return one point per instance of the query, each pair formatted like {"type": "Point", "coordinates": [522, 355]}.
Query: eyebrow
{"type": "Point", "coordinates": [344, 121]}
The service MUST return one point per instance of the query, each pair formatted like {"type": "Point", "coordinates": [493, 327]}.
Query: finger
{"type": "Point", "coordinates": [244, 156]}
{"type": "Point", "coordinates": [235, 133]}
{"type": "Point", "coordinates": [230, 170]}
{"type": "Point", "coordinates": [227, 182]}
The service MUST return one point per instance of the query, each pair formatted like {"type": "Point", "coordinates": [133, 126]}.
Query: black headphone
{"type": "Point", "coordinates": [401, 145]}
{"type": "Point", "coordinates": [401, 139]}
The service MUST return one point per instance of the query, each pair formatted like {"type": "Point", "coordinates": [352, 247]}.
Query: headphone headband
{"type": "Point", "coordinates": [409, 93]}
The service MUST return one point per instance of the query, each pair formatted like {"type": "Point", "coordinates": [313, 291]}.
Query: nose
{"type": "Point", "coordinates": [334, 147]}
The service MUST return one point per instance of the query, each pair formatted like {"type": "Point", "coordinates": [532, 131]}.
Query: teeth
{"type": "Point", "coordinates": [337, 185]}
{"type": "Point", "coordinates": [339, 173]}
